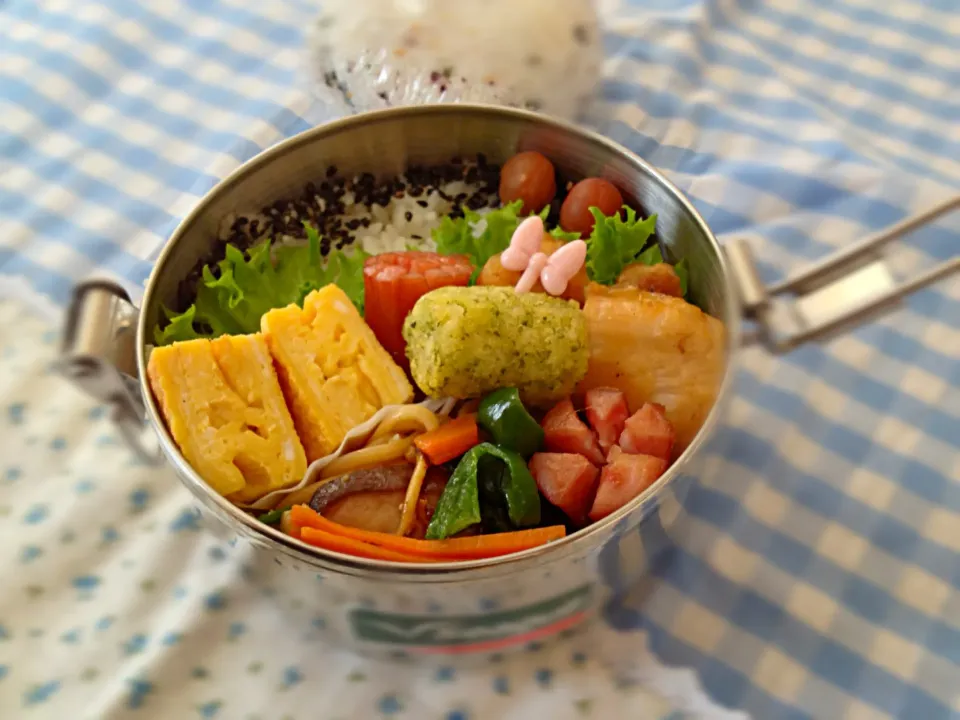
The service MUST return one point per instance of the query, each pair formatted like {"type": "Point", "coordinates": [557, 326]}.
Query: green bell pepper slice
{"type": "Point", "coordinates": [459, 505]}
{"type": "Point", "coordinates": [503, 415]}
{"type": "Point", "coordinates": [273, 516]}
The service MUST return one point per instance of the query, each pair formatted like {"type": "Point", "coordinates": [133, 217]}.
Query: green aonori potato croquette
{"type": "Point", "coordinates": [468, 341]}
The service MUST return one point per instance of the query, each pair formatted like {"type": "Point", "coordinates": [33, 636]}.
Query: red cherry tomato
{"type": "Point", "coordinates": [528, 176]}
{"type": "Point", "coordinates": [575, 215]}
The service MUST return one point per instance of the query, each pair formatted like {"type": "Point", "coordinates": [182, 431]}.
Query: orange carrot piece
{"type": "Point", "coordinates": [478, 547]}
{"type": "Point", "coordinates": [302, 516]}
{"type": "Point", "coordinates": [288, 525]}
{"type": "Point", "coordinates": [349, 546]}
{"type": "Point", "coordinates": [450, 440]}
{"type": "Point", "coordinates": [467, 548]}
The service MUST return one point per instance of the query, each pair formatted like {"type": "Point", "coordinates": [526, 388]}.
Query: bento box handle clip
{"type": "Point", "coordinates": [99, 357]}
{"type": "Point", "coordinates": [834, 294]}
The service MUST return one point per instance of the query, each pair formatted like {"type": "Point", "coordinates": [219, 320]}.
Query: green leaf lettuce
{"type": "Point", "coordinates": [250, 284]}
{"type": "Point", "coordinates": [616, 243]}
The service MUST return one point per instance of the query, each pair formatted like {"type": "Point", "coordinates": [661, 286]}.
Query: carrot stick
{"type": "Point", "coordinates": [478, 547]}
{"type": "Point", "coordinates": [288, 526]}
{"type": "Point", "coordinates": [349, 546]}
{"type": "Point", "coordinates": [450, 440]}
{"type": "Point", "coordinates": [467, 548]}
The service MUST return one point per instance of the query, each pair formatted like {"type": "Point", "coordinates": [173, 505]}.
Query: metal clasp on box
{"type": "Point", "coordinates": [99, 357]}
{"type": "Point", "coordinates": [835, 293]}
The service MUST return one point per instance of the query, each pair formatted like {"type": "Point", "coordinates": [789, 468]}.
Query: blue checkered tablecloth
{"type": "Point", "coordinates": [819, 571]}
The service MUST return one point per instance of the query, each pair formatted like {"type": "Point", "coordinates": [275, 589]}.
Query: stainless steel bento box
{"type": "Point", "coordinates": [486, 606]}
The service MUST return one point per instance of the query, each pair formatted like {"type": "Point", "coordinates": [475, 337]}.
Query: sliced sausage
{"type": "Point", "coordinates": [624, 479]}
{"type": "Point", "coordinates": [567, 480]}
{"type": "Point", "coordinates": [607, 412]}
{"type": "Point", "coordinates": [393, 282]}
{"type": "Point", "coordinates": [564, 432]}
{"type": "Point", "coordinates": [648, 432]}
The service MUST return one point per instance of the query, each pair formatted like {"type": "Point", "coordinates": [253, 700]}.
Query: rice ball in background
{"type": "Point", "coordinates": [543, 55]}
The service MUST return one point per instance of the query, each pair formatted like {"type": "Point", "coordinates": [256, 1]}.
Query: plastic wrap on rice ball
{"type": "Point", "coordinates": [543, 55]}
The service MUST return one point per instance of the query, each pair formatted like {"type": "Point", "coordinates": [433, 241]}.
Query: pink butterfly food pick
{"type": "Point", "coordinates": [524, 244]}
{"type": "Point", "coordinates": [562, 266]}
{"type": "Point", "coordinates": [554, 272]}
{"type": "Point", "coordinates": [538, 261]}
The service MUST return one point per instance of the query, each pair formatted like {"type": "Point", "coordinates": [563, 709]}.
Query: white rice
{"type": "Point", "coordinates": [390, 231]}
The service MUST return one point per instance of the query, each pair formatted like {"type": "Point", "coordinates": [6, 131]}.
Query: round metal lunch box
{"type": "Point", "coordinates": [482, 607]}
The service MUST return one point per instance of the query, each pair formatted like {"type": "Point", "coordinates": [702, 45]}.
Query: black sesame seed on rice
{"type": "Point", "coordinates": [476, 202]}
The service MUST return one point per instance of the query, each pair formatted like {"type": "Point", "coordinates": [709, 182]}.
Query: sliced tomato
{"type": "Point", "coordinates": [648, 432]}
{"type": "Point", "coordinates": [623, 479]}
{"type": "Point", "coordinates": [567, 480]}
{"type": "Point", "coordinates": [392, 284]}
{"type": "Point", "coordinates": [564, 432]}
{"type": "Point", "coordinates": [607, 412]}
